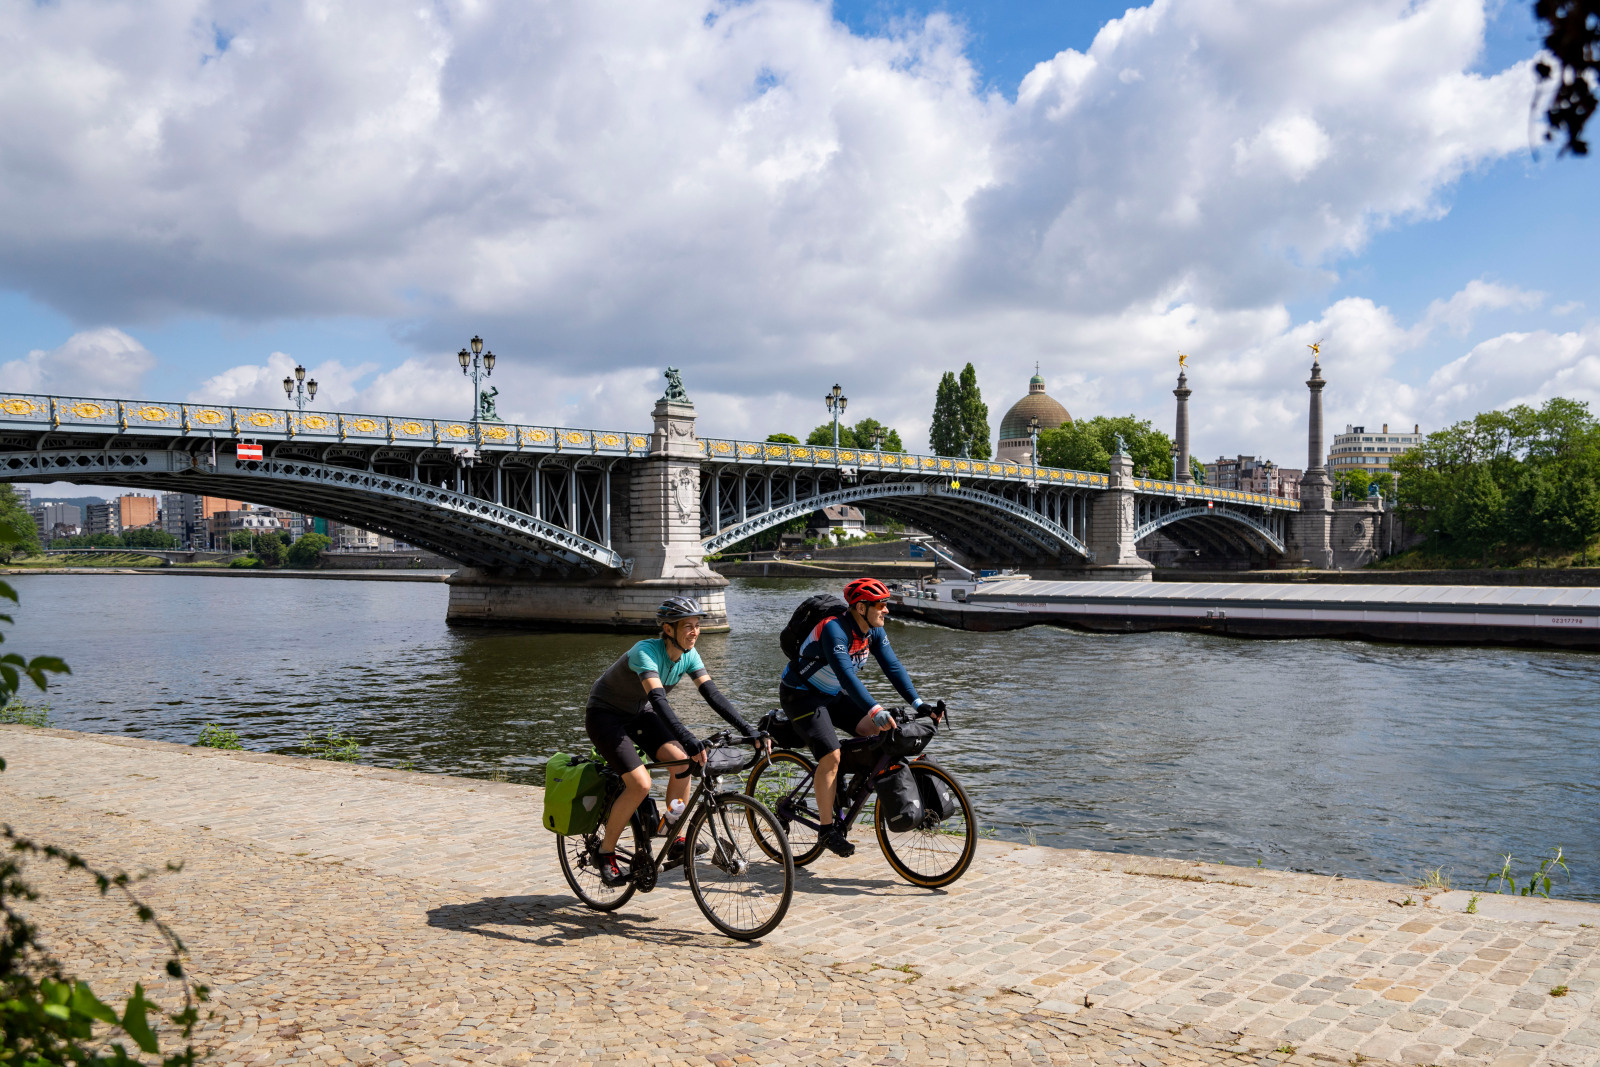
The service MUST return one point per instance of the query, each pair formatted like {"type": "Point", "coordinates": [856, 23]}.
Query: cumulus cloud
{"type": "Point", "coordinates": [261, 385]}
{"type": "Point", "coordinates": [104, 362]}
{"type": "Point", "coordinates": [745, 190]}
{"type": "Point", "coordinates": [1461, 310]}
{"type": "Point", "coordinates": [1518, 368]}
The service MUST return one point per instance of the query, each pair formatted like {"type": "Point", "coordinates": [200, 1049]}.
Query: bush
{"type": "Point", "coordinates": [243, 561]}
{"type": "Point", "coordinates": [270, 550]}
{"type": "Point", "coordinates": [148, 537]}
{"type": "Point", "coordinates": [22, 714]}
{"type": "Point", "coordinates": [215, 736]}
{"type": "Point", "coordinates": [332, 745]}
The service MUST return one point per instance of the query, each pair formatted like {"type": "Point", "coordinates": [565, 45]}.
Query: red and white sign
{"type": "Point", "coordinates": [247, 451]}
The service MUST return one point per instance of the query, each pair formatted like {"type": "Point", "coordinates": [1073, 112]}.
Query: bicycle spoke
{"type": "Point", "coordinates": [742, 889]}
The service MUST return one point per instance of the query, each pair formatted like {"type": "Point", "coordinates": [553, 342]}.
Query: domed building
{"type": "Point", "coordinates": [1016, 443]}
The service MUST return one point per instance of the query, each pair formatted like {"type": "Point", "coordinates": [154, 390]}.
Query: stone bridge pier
{"type": "Point", "coordinates": [655, 511]}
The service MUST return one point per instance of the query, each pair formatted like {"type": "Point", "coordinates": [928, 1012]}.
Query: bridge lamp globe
{"type": "Point", "coordinates": [311, 388]}
{"type": "Point", "coordinates": [488, 362]}
{"type": "Point", "coordinates": [477, 345]}
{"type": "Point", "coordinates": [465, 359]}
{"type": "Point", "coordinates": [288, 387]}
{"type": "Point", "coordinates": [299, 373]}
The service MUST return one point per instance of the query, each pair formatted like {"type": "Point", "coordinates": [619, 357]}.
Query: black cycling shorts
{"type": "Point", "coordinates": [818, 717]}
{"type": "Point", "coordinates": [614, 735]}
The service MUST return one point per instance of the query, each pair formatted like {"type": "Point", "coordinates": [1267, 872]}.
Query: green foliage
{"type": "Point", "coordinates": [239, 540]}
{"type": "Point", "coordinates": [99, 540]}
{"type": "Point", "coordinates": [1088, 444]}
{"type": "Point", "coordinates": [1351, 484]}
{"type": "Point", "coordinates": [20, 714]}
{"type": "Point", "coordinates": [1572, 39]}
{"type": "Point", "coordinates": [148, 537]}
{"type": "Point", "coordinates": [1506, 483]}
{"type": "Point", "coordinates": [1538, 882]}
{"type": "Point", "coordinates": [13, 668]}
{"type": "Point", "coordinates": [307, 551]}
{"type": "Point", "coordinates": [243, 561]}
{"type": "Point", "coordinates": [332, 745]}
{"type": "Point", "coordinates": [270, 551]}
{"type": "Point", "coordinates": [974, 415]}
{"type": "Point", "coordinates": [18, 535]}
{"type": "Point", "coordinates": [944, 433]}
{"type": "Point", "coordinates": [214, 736]}
{"type": "Point", "coordinates": [857, 436]}
{"type": "Point", "coordinates": [782, 439]}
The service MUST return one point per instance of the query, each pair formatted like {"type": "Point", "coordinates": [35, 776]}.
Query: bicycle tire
{"type": "Point", "coordinates": [924, 856]}
{"type": "Point", "coordinates": [744, 892]}
{"type": "Point", "coordinates": [771, 789]}
{"type": "Point", "coordinates": [584, 878]}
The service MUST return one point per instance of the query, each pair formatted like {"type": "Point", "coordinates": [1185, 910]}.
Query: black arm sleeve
{"type": "Point", "coordinates": [724, 707]}
{"type": "Point", "coordinates": [658, 700]}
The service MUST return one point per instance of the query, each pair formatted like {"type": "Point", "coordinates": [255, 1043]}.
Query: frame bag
{"type": "Point", "coordinates": [899, 798]}
{"type": "Point", "coordinates": [939, 800]}
{"type": "Point", "coordinates": [574, 795]}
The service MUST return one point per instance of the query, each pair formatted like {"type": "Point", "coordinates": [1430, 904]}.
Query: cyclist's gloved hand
{"type": "Point", "coordinates": [882, 718]}
{"type": "Point", "coordinates": [694, 747]}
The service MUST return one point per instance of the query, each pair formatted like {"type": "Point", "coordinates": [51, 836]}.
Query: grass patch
{"type": "Point", "coordinates": [1559, 991]}
{"type": "Point", "coordinates": [1536, 883]}
{"type": "Point", "coordinates": [25, 714]}
{"type": "Point", "coordinates": [1164, 874]}
{"type": "Point", "coordinates": [332, 745]}
{"type": "Point", "coordinates": [1472, 904]}
{"type": "Point", "coordinates": [1438, 878]}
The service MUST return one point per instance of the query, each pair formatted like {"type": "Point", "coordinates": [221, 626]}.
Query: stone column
{"type": "Point", "coordinates": [1313, 526]}
{"type": "Point", "coordinates": [1111, 525]}
{"type": "Point", "coordinates": [1182, 474]}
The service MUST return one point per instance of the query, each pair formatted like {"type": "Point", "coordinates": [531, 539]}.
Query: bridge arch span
{"type": "Point", "coordinates": [1232, 526]}
{"type": "Point", "coordinates": [458, 526]}
{"type": "Point", "coordinates": [980, 524]}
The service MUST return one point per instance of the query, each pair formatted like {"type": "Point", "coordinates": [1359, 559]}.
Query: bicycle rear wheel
{"type": "Point", "coordinates": [583, 876]}
{"type": "Point", "coordinates": [743, 890]}
{"type": "Point", "coordinates": [934, 854]}
{"type": "Point", "coordinates": [775, 781]}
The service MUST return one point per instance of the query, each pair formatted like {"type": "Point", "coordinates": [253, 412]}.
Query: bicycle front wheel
{"type": "Point", "coordinates": [775, 782]}
{"type": "Point", "coordinates": [577, 856]}
{"type": "Point", "coordinates": [741, 888]}
{"type": "Point", "coordinates": [933, 854]}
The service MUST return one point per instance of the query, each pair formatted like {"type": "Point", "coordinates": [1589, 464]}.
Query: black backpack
{"type": "Point", "coordinates": [812, 610]}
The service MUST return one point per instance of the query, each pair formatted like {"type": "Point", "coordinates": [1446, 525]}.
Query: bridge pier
{"type": "Point", "coordinates": [1112, 523]}
{"type": "Point", "coordinates": [656, 528]}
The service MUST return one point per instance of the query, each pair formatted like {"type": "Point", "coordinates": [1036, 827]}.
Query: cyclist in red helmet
{"type": "Point", "coordinates": [822, 689]}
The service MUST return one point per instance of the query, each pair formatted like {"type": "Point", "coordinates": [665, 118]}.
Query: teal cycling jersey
{"type": "Point", "coordinates": [619, 687]}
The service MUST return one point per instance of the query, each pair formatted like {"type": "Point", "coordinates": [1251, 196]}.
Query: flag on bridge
{"type": "Point", "coordinates": [245, 451]}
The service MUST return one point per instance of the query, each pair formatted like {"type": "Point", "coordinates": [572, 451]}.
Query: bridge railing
{"type": "Point", "coordinates": [21, 410]}
{"type": "Point", "coordinates": [772, 452]}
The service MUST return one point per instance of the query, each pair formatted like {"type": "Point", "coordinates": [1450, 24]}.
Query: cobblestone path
{"type": "Point", "coordinates": [350, 914]}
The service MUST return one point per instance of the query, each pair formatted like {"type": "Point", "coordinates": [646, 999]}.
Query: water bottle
{"type": "Point", "coordinates": [674, 811]}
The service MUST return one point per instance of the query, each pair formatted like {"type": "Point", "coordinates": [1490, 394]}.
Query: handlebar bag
{"type": "Point", "coordinates": [899, 798]}
{"type": "Point", "coordinates": [910, 738]}
{"type": "Point", "coordinates": [720, 761]}
{"type": "Point", "coordinates": [939, 801]}
{"type": "Point", "coordinates": [574, 795]}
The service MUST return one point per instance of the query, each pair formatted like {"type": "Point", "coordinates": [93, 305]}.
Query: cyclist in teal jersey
{"type": "Point", "coordinates": [628, 705]}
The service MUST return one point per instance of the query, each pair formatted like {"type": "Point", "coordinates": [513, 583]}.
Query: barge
{"type": "Point", "coordinates": [1415, 614]}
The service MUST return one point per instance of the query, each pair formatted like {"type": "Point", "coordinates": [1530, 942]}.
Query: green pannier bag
{"type": "Point", "coordinates": [574, 795]}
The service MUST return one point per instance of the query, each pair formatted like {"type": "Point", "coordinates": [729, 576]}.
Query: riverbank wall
{"type": "Point", "coordinates": [244, 572]}
{"type": "Point", "coordinates": [457, 934]}
{"type": "Point", "coordinates": [783, 568]}
{"type": "Point", "coordinates": [1559, 577]}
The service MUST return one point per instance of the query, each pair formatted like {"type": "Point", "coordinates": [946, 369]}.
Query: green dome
{"type": "Point", "coordinates": [1038, 402]}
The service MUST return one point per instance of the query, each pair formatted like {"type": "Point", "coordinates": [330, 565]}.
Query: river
{"type": "Point", "coordinates": [1334, 757]}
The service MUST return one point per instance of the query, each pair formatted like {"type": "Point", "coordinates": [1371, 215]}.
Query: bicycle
{"type": "Point", "coordinates": [742, 888]}
{"type": "Point", "coordinates": [932, 854]}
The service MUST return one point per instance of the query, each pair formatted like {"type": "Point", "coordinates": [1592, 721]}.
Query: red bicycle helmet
{"type": "Point", "coordinates": [865, 589]}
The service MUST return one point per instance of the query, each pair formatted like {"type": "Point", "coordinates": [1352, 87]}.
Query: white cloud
{"type": "Point", "coordinates": [1460, 311]}
{"type": "Point", "coordinates": [101, 363]}
{"type": "Point", "coordinates": [744, 190]}
{"type": "Point", "coordinates": [1518, 368]}
{"type": "Point", "coordinates": [261, 385]}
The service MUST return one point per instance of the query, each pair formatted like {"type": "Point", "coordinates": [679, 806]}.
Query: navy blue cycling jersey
{"type": "Point", "coordinates": [832, 656]}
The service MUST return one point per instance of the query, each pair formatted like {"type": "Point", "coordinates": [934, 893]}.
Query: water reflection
{"type": "Point", "coordinates": [1336, 757]}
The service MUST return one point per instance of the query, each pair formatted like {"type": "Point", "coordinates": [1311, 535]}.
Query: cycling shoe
{"type": "Point", "coordinates": [834, 842]}
{"type": "Point", "coordinates": [611, 872]}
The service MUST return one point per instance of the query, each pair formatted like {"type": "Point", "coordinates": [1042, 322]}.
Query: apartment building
{"type": "Point", "coordinates": [1359, 449]}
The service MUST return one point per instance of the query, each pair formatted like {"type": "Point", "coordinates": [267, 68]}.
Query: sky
{"type": "Point", "coordinates": [776, 195]}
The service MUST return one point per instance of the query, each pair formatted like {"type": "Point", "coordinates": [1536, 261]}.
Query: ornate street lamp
{"type": "Point", "coordinates": [877, 437]}
{"type": "Point", "coordinates": [1033, 435]}
{"type": "Point", "coordinates": [836, 401]}
{"type": "Point", "coordinates": [299, 390]}
{"type": "Point", "coordinates": [472, 364]}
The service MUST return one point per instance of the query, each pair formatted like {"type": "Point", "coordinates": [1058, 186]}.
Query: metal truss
{"type": "Point", "coordinates": [1154, 513]}
{"type": "Point", "coordinates": [451, 522]}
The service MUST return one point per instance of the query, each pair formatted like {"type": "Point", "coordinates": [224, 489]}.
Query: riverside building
{"type": "Point", "coordinates": [1359, 449]}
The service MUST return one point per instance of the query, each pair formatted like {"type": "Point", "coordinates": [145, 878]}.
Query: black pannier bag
{"type": "Point", "coordinates": [776, 724]}
{"type": "Point", "coordinates": [939, 799]}
{"type": "Point", "coordinates": [911, 738]}
{"type": "Point", "coordinates": [899, 798]}
{"type": "Point", "coordinates": [812, 610]}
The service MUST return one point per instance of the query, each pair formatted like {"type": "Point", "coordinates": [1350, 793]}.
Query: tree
{"type": "Point", "coordinates": [974, 416]}
{"type": "Point", "coordinates": [1573, 41]}
{"type": "Point", "coordinates": [1088, 444]}
{"type": "Point", "coordinates": [270, 550]}
{"type": "Point", "coordinates": [239, 540]}
{"type": "Point", "coordinates": [307, 551]}
{"type": "Point", "coordinates": [945, 433]}
{"type": "Point", "coordinates": [1351, 484]}
{"type": "Point", "coordinates": [857, 436]}
{"type": "Point", "coordinates": [782, 439]}
{"type": "Point", "coordinates": [18, 535]}
{"type": "Point", "coordinates": [148, 537]}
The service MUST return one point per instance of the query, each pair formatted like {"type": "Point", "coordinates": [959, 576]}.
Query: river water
{"type": "Point", "coordinates": [1334, 757]}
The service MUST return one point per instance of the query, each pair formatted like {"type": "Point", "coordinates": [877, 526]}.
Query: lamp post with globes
{"type": "Point", "coordinates": [877, 437]}
{"type": "Point", "coordinates": [836, 401]}
{"type": "Point", "coordinates": [478, 368]}
{"type": "Point", "coordinates": [299, 390]}
{"type": "Point", "coordinates": [1033, 436]}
